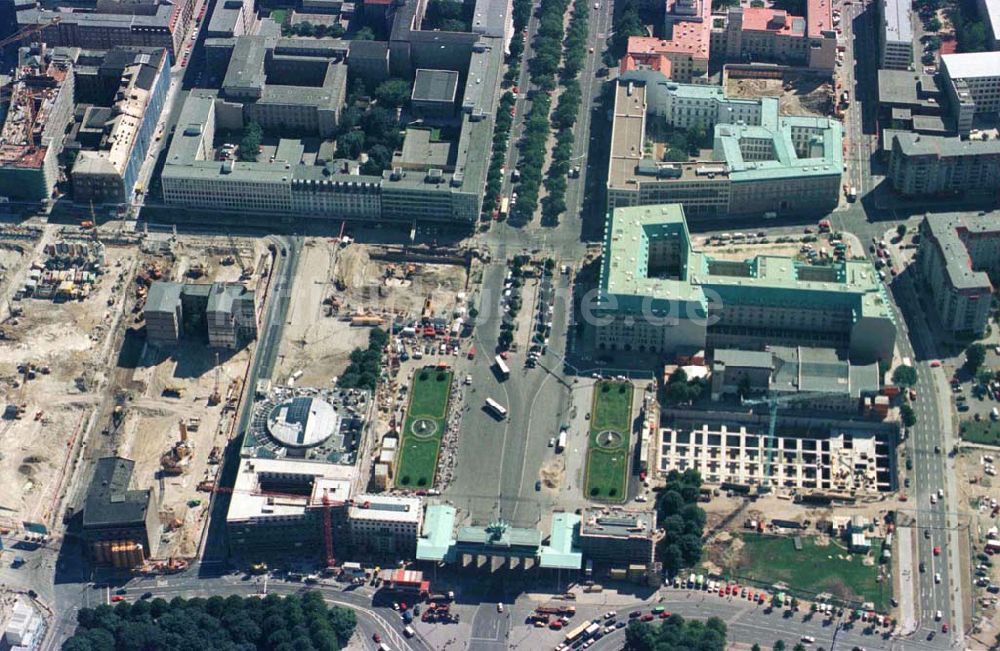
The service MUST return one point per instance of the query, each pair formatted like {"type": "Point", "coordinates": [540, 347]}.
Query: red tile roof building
{"type": "Point", "coordinates": [775, 36]}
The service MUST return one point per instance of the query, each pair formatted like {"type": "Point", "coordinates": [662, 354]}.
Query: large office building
{"type": "Point", "coordinates": [383, 526]}
{"type": "Point", "coordinates": [121, 135]}
{"type": "Point", "coordinates": [104, 24]}
{"type": "Point", "coordinates": [618, 536]}
{"type": "Point", "coordinates": [834, 383]}
{"type": "Point", "coordinates": [766, 34]}
{"type": "Point", "coordinates": [34, 127]}
{"type": "Point", "coordinates": [445, 186]}
{"type": "Point", "coordinates": [116, 516]}
{"type": "Point", "coordinates": [760, 161]}
{"type": "Point", "coordinates": [929, 165]}
{"type": "Point", "coordinates": [972, 82]}
{"type": "Point", "coordinates": [658, 295]}
{"type": "Point", "coordinates": [989, 13]}
{"type": "Point", "coordinates": [298, 473]}
{"type": "Point", "coordinates": [957, 258]}
{"type": "Point", "coordinates": [895, 34]}
{"type": "Point", "coordinates": [224, 315]}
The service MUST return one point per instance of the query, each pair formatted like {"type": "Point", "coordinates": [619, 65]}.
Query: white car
{"type": "Point", "coordinates": [937, 577]}
{"type": "Point", "coordinates": [499, 607]}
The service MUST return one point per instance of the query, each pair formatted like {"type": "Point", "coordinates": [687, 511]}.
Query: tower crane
{"type": "Point", "coordinates": [773, 401]}
{"type": "Point", "coordinates": [28, 31]}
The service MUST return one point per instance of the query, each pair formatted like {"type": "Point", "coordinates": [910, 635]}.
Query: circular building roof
{"type": "Point", "coordinates": [302, 422]}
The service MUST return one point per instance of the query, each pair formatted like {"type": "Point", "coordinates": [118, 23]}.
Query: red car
{"type": "Point", "coordinates": [944, 628]}
{"type": "Point", "coordinates": [648, 617]}
{"type": "Point", "coordinates": [117, 597]}
{"type": "Point", "coordinates": [935, 363]}
{"type": "Point", "coordinates": [664, 615]}
{"type": "Point", "coordinates": [555, 625]}
{"type": "Point", "coordinates": [937, 551]}
{"type": "Point", "coordinates": [376, 637]}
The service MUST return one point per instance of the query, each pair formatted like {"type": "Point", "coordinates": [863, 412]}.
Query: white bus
{"type": "Point", "coordinates": [499, 410]}
{"type": "Point", "coordinates": [502, 369]}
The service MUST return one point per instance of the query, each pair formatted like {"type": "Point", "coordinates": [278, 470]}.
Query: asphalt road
{"type": "Point", "coordinates": [499, 461]}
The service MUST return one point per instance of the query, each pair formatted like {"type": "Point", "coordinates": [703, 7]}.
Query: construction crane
{"type": "Point", "coordinates": [328, 506]}
{"type": "Point", "coordinates": [239, 259]}
{"type": "Point", "coordinates": [29, 31]}
{"type": "Point", "coordinates": [773, 402]}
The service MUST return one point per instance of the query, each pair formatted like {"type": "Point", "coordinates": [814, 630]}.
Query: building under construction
{"type": "Point", "coordinates": [298, 473]}
{"type": "Point", "coordinates": [120, 525]}
{"type": "Point", "coordinates": [223, 314]}
{"type": "Point", "coordinates": [41, 106]}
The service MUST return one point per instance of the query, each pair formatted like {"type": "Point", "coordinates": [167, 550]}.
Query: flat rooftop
{"type": "Point", "coordinates": [251, 500]}
{"type": "Point", "coordinates": [435, 85]}
{"type": "Point", "coordinates": [972, 65]}
{"type": "Point", "coordinates": [385, 508]}
{"type": "Point", "coordinates": [898, 22]}
{"type": "Point", "coordinates": [110, 502]}
{"type": "Point", "coordinates": [617, 523]}
{"type": "Point", "coordinates": [948, 233]}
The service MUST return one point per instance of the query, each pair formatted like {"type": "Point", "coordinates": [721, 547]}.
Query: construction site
{"type": "Point", "coordinates": [76, 366]}
{"type": "Point", "coordinates": [798, 93]}
{"type": "Point", "coordinates": [343, 289]}
{"type": "Point", "coordinates": [182, 397]}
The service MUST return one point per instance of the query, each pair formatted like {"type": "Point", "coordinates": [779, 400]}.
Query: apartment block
{"type": "Point", "coordinates": [931, 165]}
{"type": "Point", "coordinates": [383, 526]}
{"type": "Point", "coordinates": [658, 295]}
{"type": "Point", "coordinates": [761, 161]}
{"type": "Point", "coordinates": [895, 34]}
{"type": "Point", "coordinates": [775, 36]}
{"type": "Point", "coordinates": [683, 55]}
{"type": "Point", "coordinates": [34, 127]}
{"type": "Point", "coordinates": [109, 172]}
{"type": "Point", "coordinates": [972, 82]}
{"type": "Point", "coordinates": [958, 261]}
{"type": "Point", "coordinates": [105, 24]}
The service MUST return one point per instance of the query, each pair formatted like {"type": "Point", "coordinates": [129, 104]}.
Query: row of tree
{"type": "Point", "coordinates": [676, 634]}
{"type": "Point", "coordinates": [542, 67]}
{"type": "Point", "coordinates": [319, 30]}
{"type": "Point", "coordinates": [504, 116]}
{"type": "Point", "coordinates": [565, 113]}
{"type": "Point", "coordinates": [501, 135]}
{"type": "Point", "coordinates": [223, 623]}
{"type": "Point", "coordinates": [683, 520]}
{"type": "Point", "coordinates": [366, 363]}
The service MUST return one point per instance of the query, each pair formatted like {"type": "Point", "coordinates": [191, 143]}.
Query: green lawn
{"type": "Point", "coordinates": [607, 469]}
{"type": "Point", "coordinates": [428, 401]}
{"type": "Point", "coordinates": [278, 15]}
{"type": "Point", "coordinates": [985, 431]}
{"type": "Point", "coordinates": [773, 559]}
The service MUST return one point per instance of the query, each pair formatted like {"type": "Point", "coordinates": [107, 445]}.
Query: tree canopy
{"type": "Point", "coordinates": [975, 355]}
{"type": "Point", "coordinates": [683, 520]}
{"type": "Point", "coordinates": [231, 623]}
{"type": "Point", "coordinates": [904, 376]}
{"type": "Point", "coordinates": [676, 634]}
{"type": "Point", "coordinates": [908, 416]}
{"type": "Point", "coordinates": [253, 136]}
{"type": "Point", "coordinates": [393, 92]}
{"type": "Point", "coordinates": [366, 363]}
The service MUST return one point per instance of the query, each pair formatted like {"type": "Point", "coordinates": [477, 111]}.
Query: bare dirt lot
{"type": "Point", "coordinates": [799, 95]}
{"type": "Point", "coordinates": [337, 286]}
{"type": "Point", "coordinates": [67, 342]}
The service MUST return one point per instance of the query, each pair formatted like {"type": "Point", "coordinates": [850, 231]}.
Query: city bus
{"type": "Point", "coordinates": [504, 208]}
{"type": "Point", "coordinates": [502, 369]}
{"type": "Point", "coordinates": [498, 410]}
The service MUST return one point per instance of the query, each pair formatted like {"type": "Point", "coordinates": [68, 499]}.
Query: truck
{"type": "Point", "coordinates": [561, 441]}
{"type": "Point", "coordinates": [590, 630]}
{"type": "Point", "coordinates": [556, 609]}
